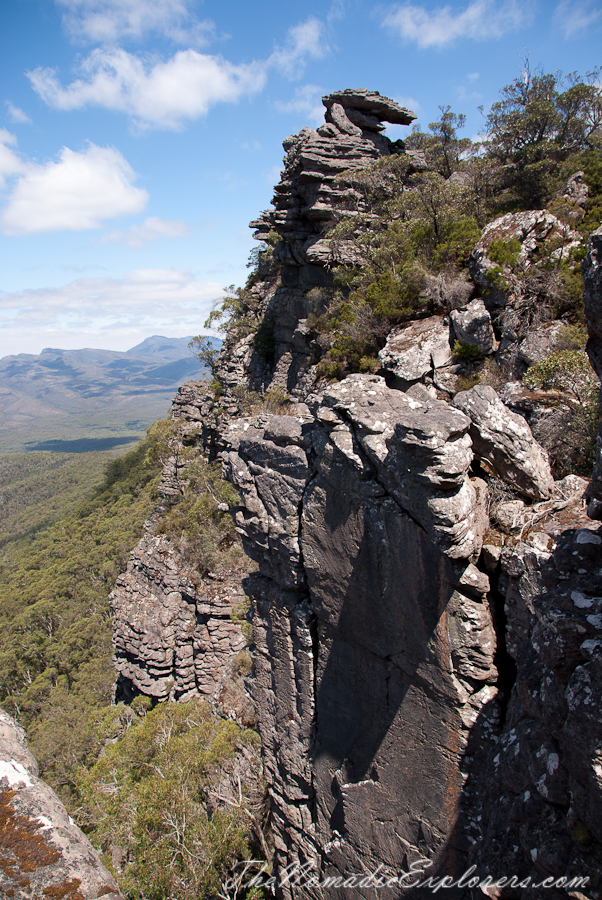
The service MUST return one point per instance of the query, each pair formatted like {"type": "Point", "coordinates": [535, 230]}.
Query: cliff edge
{"type": "Point", "coordinates": [426, 601]}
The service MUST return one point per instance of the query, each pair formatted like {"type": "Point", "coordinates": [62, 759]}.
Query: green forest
{"type": "Point", "coordinates": [67, 525]}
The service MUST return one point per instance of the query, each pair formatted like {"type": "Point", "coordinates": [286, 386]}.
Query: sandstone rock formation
{"type": "Point", "coordinates": [472, 325]}
{"type": "Point", "coordinates": [307, 200]}
{"type": "Point", "coordinates": [530, 229]}
{"type": "Point", "coordinates": [43, 853]}
{"type": "Point", "coordinates": [427, 643]}
{"type": "Point", "coordinates": [177, 635]}
{"type": "Point", "coordinates": [415, 350]}
{"type": "Point", "coordinates": [504, 440]}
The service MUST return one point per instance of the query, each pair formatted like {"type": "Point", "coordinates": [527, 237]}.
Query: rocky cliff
{"type": "Point", "coordinates": [426, 601]}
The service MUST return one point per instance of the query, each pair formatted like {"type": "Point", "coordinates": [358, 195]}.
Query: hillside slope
{"type": "Point", "coordinates": [99, 395]}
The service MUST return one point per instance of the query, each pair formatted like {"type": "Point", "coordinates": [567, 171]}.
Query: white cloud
{"type": "Point", "coordinates": [161, 95]}
{"type": "Point", "coordinates": [10, 162]}
{"type": "Point", "coordinates": [574, 16]}
{"type": "Point", "coordinates": [151, 230]}
{"type": "Point", "coordinates": [77, 192]}
{"type": "Point", "coordinates": [307, 100]}
{"type": "Point", "coordinates": [108, 21]}
{"type": "Point", "coordinates": [17, 115]}
{"type": "Point", "coordinates": [473, 76]}
{"type": "Point", "coordinates": [480, 20]}
{"type": "Point", "coordinates": [337, 10]}
{"type": "Point", "coordinates": [303, 41]}
{"type": "Point", "coordinates": [109, 312]}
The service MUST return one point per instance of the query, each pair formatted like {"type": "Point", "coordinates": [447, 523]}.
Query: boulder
{"type": "Point", "coordinates": [415, 350]}
{"type": "Point", "coordinates": [505, 441]}
{"type": "Point", "coordinates": [530, 229]}
{"type": "Point", "coordinates": [539, 343]}
{"type": "Point", "coordinates": [42, 851]}
{"type": "Point", "coordinates": [472, 325]}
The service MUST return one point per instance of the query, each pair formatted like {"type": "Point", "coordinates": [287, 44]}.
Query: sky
{"type": "Point", "coordinates": [139, 137]}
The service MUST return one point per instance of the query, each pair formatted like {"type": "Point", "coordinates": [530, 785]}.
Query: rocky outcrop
{"type": "Point", "coordinates": [375, 649]}
{"type": "Point", "coordinates": [43, 853]}
{"type": "Point", "coordinates": [174, 639]}
{"type": "Point", "coordinates": [307, 200]}
{"type": "Point", "coordinates": [395, 625]}
{"type": "Point", "coordinates": [178, 635]}
{"type": "Point", "coordinates": [504, 440]}
{"type": "Point", "coordinates": [541, 801]}
{"type": "Point", "coordinates": [530, 230]}
{"type": "Point", "coordinates": [425, 606]}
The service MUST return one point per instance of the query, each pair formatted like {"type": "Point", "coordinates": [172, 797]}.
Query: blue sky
{"type": "Point", "coordinates": [139, 137]}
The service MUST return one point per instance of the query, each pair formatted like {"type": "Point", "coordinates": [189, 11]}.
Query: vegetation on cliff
{"type": "Point", "coordinates": [55, 642]}
{"type": "Point", "coordinates": [173, 796]}
{"type": "Point", "coordinates": [403, 237]}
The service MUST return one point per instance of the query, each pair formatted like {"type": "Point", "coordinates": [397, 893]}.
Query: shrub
{"type": "Point", "coordinates": [466, 352]}
{"type": "Point", "coordinates": [569, 371]}
{"type": "Point", "coordinates": [176, 802]}
{"type": "Point", "coordinates": [504, 253]}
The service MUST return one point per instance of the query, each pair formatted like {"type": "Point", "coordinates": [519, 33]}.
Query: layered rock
{"type": "Point", "coordinates": [178, 635]}
{"type": "Point", "coordinates": [375, 651]}
{"type": "Point", "coordinates": [306, 202]}
{"type": "Point", "coordinates": [504, 440]}
{"type": "Point", "coordinates": [174, 639]}
{"type": "Point", "coordinates": [42, 851]}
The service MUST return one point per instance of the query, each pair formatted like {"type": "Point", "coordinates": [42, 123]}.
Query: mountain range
{"type": "Point", "coordinates": [90, 399]}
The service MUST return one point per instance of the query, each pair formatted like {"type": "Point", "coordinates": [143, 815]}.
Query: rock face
{"type": "Point", "coordinates": [305, 204]}
{"type": "Point", "coordinates": [472, 325]}
{"type": "Point", "coordinates": [427, 644]}
{"type": "Point", "coordinates": [419, 348]}
{"type": "Point", "coordinates": [403, 638]}
{"type": "Point", "coordinates": [177, 635]}
{"type": "Point", "coordinates": [42, 851]}
{"type": "Point", "coordinates": [504, 440]}
{"type": "Point", "coordinates": [174, 639]}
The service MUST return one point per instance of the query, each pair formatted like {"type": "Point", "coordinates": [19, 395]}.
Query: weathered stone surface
{"type": "Point", "coordinates": [42, 851]}
{"type": "Point", "coordinates": [421, 452]}
{"type": "Point", "coordinates": [539, 343]}
{"type": "Point", "coordinates": [415, 350]}
{"type": "Point", "coordinates": [174, 639]}
{"type": "Point", "coordinates": [361, 651]}
{"type": "Point", "coordinates": [177, 634]}
{"type": "Point", "coordinates": [544, 774]}
{"type": "Point", "coordinates": [472, 325]}
{"type": "Point", "coordinates": [576, 189]}
{"type": "Point", "coordinates": [306, 202]}
{"type": "Point", "coordinates": [504, 440]}
{"type": "Point", "coordinates": [336, 114]}
{"type": "Point", "coordinates": [371, 103]}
